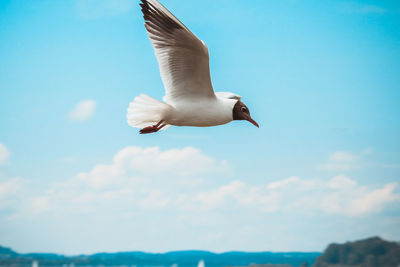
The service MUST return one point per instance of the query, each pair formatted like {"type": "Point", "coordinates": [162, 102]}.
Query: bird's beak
{"type": "Point", "coordinates": [253, 122]}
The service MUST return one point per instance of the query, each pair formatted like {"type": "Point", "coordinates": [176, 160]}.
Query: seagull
{"type": "Point", "coordinates": [183, 61]}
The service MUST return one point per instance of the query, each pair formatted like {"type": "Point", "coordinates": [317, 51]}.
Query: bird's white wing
{"type": "Point", "coordinates": [183, 58]}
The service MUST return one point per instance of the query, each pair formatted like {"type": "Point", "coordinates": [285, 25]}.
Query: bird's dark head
{"type": "Point", "coordinates": [241, 112]}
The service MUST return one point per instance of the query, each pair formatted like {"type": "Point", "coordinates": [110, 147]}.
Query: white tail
{"type": "Point", "coordinates": [146, 111]}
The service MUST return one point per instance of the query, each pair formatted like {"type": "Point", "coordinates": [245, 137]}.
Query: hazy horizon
{"type": "Point", "coordinates": [158, 252]}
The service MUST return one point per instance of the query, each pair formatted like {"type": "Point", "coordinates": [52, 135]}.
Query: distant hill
{"type": "Point", "coordinates": [6, 253]}
{"type": "Point", "coordinates": [371, 252]}
{"type": "Point", "coordinates": [142, 259]}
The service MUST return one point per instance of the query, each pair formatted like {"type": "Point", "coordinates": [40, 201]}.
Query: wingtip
{"type": "Point", "coordinates": [144, 5]}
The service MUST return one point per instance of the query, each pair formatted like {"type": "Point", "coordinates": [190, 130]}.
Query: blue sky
{"type": "Point", "coordinates": [322, 78]}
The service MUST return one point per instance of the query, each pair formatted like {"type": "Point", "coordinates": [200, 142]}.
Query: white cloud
{"type": "Point", "coordinates": [341, 182]}
{"type": "Point", "coordinates": [40, 204]}
{"type": "Point", "coordinates": [340, 195]}
{"type": "Point", "coordinates": [168, 166]}
{"type": "Point", "coordinates": [341, 161]}
{"type": "Point", "coordinates": [152, 179]}
{"type": "Point", "coordinates": [83, 110]}
{"type": "Point", "coordinates": [155, 200]}
{"type": "Point", "coordinates": [95, 9]}
{"type": "Point", "coordinates": [10, 187]}
{"type": "Point", "coordinates": [374, 201]}
{"type": "Point", "coordinates": [4, 154]}
{"type": "Point", "coordinates": [359, 8]}
{"type": "Point", "coordinates": [284, 183]}
{"type": "Point", "coordinates": [238, 194]}
{"type": "Point", "coordinates": [347, 161]}
{"type": "Point", "coordinates": [359, 200]}
{"type": "Point", "coordinates": [9, 191]}
{"type": "Point", "coordinates": [343, 157]}
{"type": "Point", "coordinates": [137, 178]}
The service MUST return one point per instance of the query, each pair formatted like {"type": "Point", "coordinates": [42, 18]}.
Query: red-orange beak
{"type": "Point", "coordinates": [253, 122]}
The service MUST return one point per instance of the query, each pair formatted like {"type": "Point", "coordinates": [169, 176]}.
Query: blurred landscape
{"type": "Point", "coordinates": [367, 253]}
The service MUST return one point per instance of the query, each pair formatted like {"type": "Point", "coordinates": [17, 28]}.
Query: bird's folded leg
{"type": "Point", "coordinates": [153, 129]}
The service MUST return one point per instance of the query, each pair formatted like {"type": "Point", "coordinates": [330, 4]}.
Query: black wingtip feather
{"type": "Point", "coordinates": [157, 19]}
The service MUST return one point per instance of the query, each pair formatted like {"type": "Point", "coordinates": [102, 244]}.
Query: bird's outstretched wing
{"type": "Point", "coordinates": [183, 58]}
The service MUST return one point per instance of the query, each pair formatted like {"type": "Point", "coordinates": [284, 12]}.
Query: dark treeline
{"type": "Point", "coordinates": [371, 252]}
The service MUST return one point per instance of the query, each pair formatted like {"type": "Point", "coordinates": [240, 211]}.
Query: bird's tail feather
{"type": "Point", "coordinates": [146, 111]}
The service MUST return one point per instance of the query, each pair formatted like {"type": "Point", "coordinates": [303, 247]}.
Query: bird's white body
{"type": "Point", "coordinates": [201, 112]}
{"type": "Point", "coordinates": [183, 61]}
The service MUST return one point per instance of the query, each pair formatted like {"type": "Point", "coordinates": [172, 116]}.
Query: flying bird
{"type": "Point", "coordinates": [183, 61]}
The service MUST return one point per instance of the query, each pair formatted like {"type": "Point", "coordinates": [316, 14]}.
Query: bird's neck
{"type": "Point", "coordinates": [228, 105]}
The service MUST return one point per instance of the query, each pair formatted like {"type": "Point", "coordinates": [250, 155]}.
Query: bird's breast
{"type": "Point", "coordinates": [201, 113]}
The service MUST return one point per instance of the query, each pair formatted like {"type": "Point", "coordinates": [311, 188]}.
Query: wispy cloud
{"type": "Point", "coordinates": [10, 192]}
{"type": "Point", "coordinates": [67, 160]}
{"type": "Point", "coordinates": [95, 9]}
{"type": "Point", "coordinates": [348, 161]}
{"type": "Point", "coordinates": [142, 178]}
{"type": "Point", "coordinates": [82, 111]}
{"type": "Point", "coordinates": [359, 8]}
{"type": "Point", "coordinates": [341, 161]}
{"type": "Point", "coordinates": [4, 154]}
{"type": "Point", "coordinates": [173, 180]}
{"type": "Point", "coordinates": [152, 163]}
{"type": "Point", "coordinates": [9, 187]}
{"type": "Point", "coordinates": [340, 195]}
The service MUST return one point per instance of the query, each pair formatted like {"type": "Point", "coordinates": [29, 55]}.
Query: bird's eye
{"type": "Point", "coordinates": [244, 109]}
